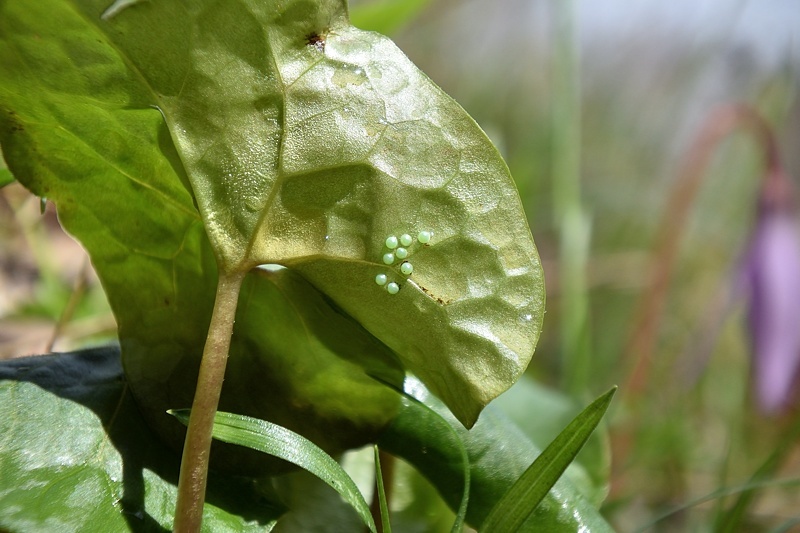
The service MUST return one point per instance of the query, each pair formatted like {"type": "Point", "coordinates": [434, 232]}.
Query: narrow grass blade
{"type": "Point", "coordinates": [287, 445]}
{"type": "Point", "coordinates": [719, 494]}
{"type": "Point", "coordinates": [387, 527]}
{"type": "Point", "coordinates": [510, 513]}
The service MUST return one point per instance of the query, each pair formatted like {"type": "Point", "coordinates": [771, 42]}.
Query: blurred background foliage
{"type": "Point", "coordinates": [688, 441]}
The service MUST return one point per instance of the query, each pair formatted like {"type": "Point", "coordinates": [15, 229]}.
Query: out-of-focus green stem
{"type": "Point", "coordinates": [572, 223]}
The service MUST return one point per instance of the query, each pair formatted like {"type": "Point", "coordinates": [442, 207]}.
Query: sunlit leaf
{"type": "Point", "coordinates": [75, 455]}
{"type": "Point", "coordinates": [106, 159]}
{"type": "Point", "coordinates": [519, 503]}
{"type": "Point", "coordinates": [303, 141]}
{"type": "Point", "coordinates": [278, 441]}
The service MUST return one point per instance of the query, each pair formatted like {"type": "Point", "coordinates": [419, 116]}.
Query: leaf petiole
{"type": "Point", "coordinates": [197, 446]}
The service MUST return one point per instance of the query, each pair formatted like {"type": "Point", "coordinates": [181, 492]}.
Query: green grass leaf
{"type": "Point", "coordinates": [512, 511]}
{"type": "Point", "coordinates": [278, 441]}
{"type": "Point", "coordinates": [384, 507]}
{"type": "Point", "coordinates": [591, 469]}
{"type": "Point", "coordinates": [499, 453]}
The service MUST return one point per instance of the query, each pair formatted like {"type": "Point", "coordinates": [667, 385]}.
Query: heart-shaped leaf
{"type": "Point", "coordinates": [305, 141]}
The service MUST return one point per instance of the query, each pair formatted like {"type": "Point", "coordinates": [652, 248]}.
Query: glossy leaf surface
{"type": "Point", "coordinates": [76, 455]}
{"type": "Point", "coordinates": [303, 141]}
{"type": "Point", "coordinates": [499, 454]}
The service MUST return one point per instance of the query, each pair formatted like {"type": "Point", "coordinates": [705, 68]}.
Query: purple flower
{"type": "Point", "coordinates": [772, 281]}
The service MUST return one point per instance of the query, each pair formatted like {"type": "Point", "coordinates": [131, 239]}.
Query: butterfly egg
{"type": "Point", "coordinates": [393, 288]}
{"type": "Point", "coordinates": [424, 237]}
{"type": "Point", "coordinates": [388, 258]}
{"type": "Point", "coordinates": [391, 242]}
{"type": "Point", "coordinates": [381, 279]}
{"type": "Point", "coordinates": [406, 239]}
{"type": "Point", "coordinates": [407, 268]}
{"type": "Point", "coordinates": [401, 253]}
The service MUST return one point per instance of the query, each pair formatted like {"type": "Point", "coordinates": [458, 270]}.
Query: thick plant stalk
{"type": "Point", "coordinates": [197, 446]}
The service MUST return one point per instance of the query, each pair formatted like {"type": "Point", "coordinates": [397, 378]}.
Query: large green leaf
{"type": "Point", "coordinates": [76, 455]}
{"type": "Point", "coordinates": [499, 454]}
{"type": "Point", "coordinates": [303, 142]}
{"type": "Point", "coordinates": [68, 424]}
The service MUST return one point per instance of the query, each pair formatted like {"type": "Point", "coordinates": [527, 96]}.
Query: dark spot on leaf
{"type": "Point", "coordinates": [433, 297]}
{"type": "Point", "coordinates": [166, 301]}
{"type": "Point", "coordinates": [317, 40]}
{"type": "Point", "coordinates": [14, 124]}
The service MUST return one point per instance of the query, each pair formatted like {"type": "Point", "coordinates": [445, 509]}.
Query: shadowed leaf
{"type": "Point", "coordinates": [76, 455]}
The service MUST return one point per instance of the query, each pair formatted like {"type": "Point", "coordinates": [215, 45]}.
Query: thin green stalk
{"type": "Point", "coordinates": [571, 221]}
{"type": "Point", "coordinates": [380, 491]}
{"type": "Point", "coordinates": [197, 446]}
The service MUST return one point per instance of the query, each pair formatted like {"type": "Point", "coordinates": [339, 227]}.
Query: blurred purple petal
{"type": "Point", "coordinates": [773, 275]}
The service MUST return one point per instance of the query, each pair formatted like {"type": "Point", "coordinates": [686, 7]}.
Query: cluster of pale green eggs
{"type": "Point", "coordinates": [398, 249]}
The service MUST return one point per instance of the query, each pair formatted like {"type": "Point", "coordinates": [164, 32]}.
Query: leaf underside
{"type": "Point", "coordinates": [178, 136]}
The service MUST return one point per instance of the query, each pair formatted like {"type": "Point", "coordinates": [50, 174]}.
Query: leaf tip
{"type": "Point", "coordinates": [181, 414]}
